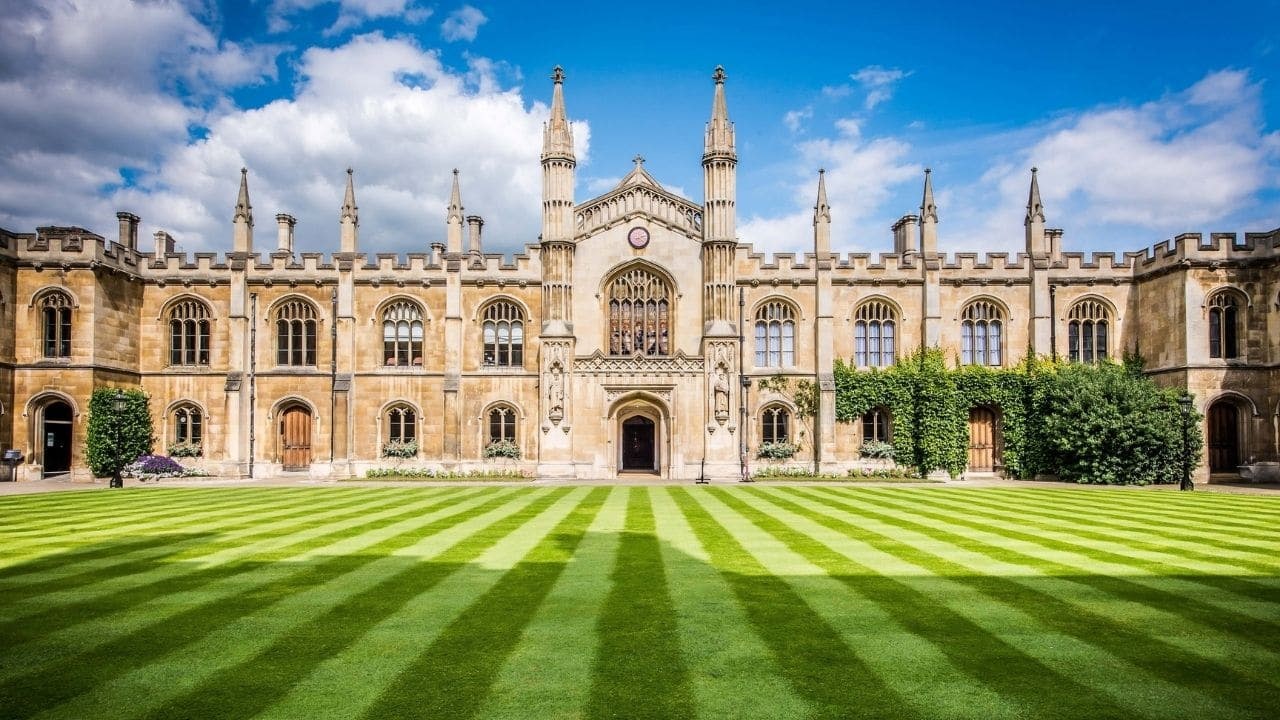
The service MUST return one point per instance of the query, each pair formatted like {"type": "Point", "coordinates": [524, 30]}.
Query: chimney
{"type": "Point", "coordinates": [904, 235]}
{"type": "Point", "coordinates": [164, 245]}
{"type": "Point", "coordinates": [128, 230]}
{"type": "Point", "coordinates": [474, 225]}
{"type": "Point", "coordinates": [1055, 244]}
{"type": "Point", "coordinates": [284, 233]}
{"type": "Point", "coordinates": [437, 253]}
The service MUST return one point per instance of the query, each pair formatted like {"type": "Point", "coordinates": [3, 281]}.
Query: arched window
{"type": "Point", "coordinates": [189, 333]}
{"type": "Point", "coordinates": [982, 334]}
{"type": "Point", "coordinates": [876, 426]}
{"type": "Point", "coordinates": [1224, 316]}
{"type": "Point", "coordinates": [504, 335]}
{"type": "Point", "coordinates": [402, 424]}
{"type": "Point", "coordinates": [188, 432]}
{"type": "Point", "coordinates": [775, 335]}
{"type": "Point", "coordinates": [775, 425]}
{"type": "Point", "coordinates": [296, 333]}
{"type": "Point", "coordinates": [55, 311]}
{"type": "Point", "coordinates": [402, 334]}
{"type": "Point", "coordinates": [502, 424]}
{"type": "Point", "coordinates": [1088, 325]}
{"type": "Point", "coordinates": [639, 314]}
{"type": "Point", "coordinates": [874, 335]}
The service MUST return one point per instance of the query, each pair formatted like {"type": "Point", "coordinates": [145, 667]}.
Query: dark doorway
{"type": "Point", "coordinates": [1224, 441]}
{"type": "Point", "coordinates": [55, 439]}
{"type": "Point", "coordinates": [295, 438]}
{"type": "Point", "coordinates": [639, 449]}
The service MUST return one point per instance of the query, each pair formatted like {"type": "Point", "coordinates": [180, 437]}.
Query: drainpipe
{"type": "Point", "coordinates": [253, 372]}
{"type": "Point", "coordinates": [1053, 322]}
{"type": "Point", "coordinates": [742, 393]}
{"type": "Point", "coordinates": [333, 373]}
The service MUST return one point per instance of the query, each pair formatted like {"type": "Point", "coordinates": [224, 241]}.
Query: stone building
{"type": "Point", "coordinates": [623, 341]}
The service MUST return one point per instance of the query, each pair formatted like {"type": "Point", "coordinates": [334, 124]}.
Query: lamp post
{"type": "Point", "coordinates": [1184, 403]}
{"type": "Point", "coordinates": [118, 405]}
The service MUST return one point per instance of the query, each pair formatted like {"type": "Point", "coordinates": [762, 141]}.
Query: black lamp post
{"type": "Point", "coordinates": [1184, 403]}
{"type": "Point", "coordinates": [117, 404]}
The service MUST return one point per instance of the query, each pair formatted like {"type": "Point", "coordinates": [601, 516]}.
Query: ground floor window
{"type": "Point", "coordinates": [875, 426]}
{"type": "Point", "coordinates": [775, 426]}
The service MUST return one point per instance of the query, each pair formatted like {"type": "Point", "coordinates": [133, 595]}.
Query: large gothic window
{"type": "Point", "coordinates": [982, 334]}
{"type": "Point", "coordinates": [1224, 316]}
{"type": "Point", "coordinates": [639, 314]}
{"type": "Point", "coordinates": [55, 311]}
{"type": "Point", "coordinates": [874, 335]}
{"type": "Point", "coordinates": [775, 335]}
{"type": "Point", "coordinates": [402, 334]}
{"type": "Point", "coordinates": [189, 333]}
{"type": "Point", "coordinates": [504, 335]}
{"type": "Point", "coordinates": [296, 333]}
{"type": "Point", "coordinates": [1088, 325]}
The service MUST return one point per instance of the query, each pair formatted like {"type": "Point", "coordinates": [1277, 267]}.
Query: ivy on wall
{"type": "Point", "coordinates": [1102, 423]}
{"type": "Point", "coordinates": [117, 438]}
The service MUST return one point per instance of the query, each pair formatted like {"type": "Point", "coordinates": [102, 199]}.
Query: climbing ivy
{"type": "Point", "coordinates": [116, 439]}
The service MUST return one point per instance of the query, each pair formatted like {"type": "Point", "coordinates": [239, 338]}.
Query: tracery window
{"type": "Point", "coordinates": [1087, 332]}
{"type": "Point", "coordinates": [1224, 317]}
{"type": "Point", "coordinates": [874, 335]}
{"type": "Point", "coordinates": [189, 333]}
{"type": "Point", "coordinates": [188, 430]}
{"type": "Point", "coordinates": [775, 335]}
{"type": "Point", "coordinates": [639, 314]}
{"type": "Point", "coordinates": [876, 426]}
{"type": "Point", "coordinates": [502, 424]}
{"type": "Point", "coordinates": [981, 334]}
{"type": "Point", "coordinates": [55, 311]}
{"type": "Point", "coordinates": [296, 333]}
{"type": "Point", "coordinates": [402, 424]}
{"type": "Point", "coordinates": [402, 334]}
{"type": "Point", "coordinates": [775, 425]}
{"type": "Point", "coordinates": [504, 335]}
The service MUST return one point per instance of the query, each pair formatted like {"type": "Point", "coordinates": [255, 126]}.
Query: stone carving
{"type": "Point", "coordinates": [678, 364]}
{"type": "Point", "coordinates": [721, 369]}
{"type": "Point", "coordinates": [612, 393]}
{"type": "Point", "coordinates": [555, 382]}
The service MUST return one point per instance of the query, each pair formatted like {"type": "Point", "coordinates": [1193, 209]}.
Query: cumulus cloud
{"type": "Point", "coordinates": [795, 119]}
{"type": "Point", "coordinates": [462, 24]}
{"type": "Point", "coordinates": [878, 82]}
{"type": "Point", "coordinates": [351, 13]}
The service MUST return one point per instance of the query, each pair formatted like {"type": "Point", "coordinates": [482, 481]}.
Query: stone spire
{"type": "Point", "coordinates": [557, 136]}
{"type": "Point", "coordinates": [1034, 221]}
{"type": "Point", "coordinates": [242, 221]}
{"type": "Point", "coordinates": [455, 219]}
{"type": "Point", "coordinates": [928, 218]}
{"type": "Point", "coordinates": [349, 217]}
{"type": "Point", "coordinates": [719, 139]}
{"type": "Point", "coordinates": [822, 219]}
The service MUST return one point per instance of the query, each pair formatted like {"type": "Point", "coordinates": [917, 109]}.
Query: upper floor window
{"type": "Point", "coordinates": [1224, 316]}
{"type": "Point", "coordinates": [296, 333]}
{"type": "Point", "coordinates": [188, 432]}
{"type": "Point", "coordinates": [504, 335]}
{"type": "Point", "coordinates": [639, 314]}
{"type": "Point", "coordinates": [402, 334]}
{"type": "Point", "coordinates": [1087, 331]}
{"type": "Point", "coordinates": [982, 334]}
{"type": "Point", "coordinates": [775, 335]}
{"type": "Point", "coordinates": [874, 335]}
{"type": "Point", "coordinates": [55, 311]}
{"type": "Point", "coordinates": [189, 333]}
{"type": "Point", "coordinates": [775, 426]}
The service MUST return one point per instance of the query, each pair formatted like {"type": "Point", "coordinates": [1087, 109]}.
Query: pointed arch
{"type": "Point", "coordinates": [639, 307]}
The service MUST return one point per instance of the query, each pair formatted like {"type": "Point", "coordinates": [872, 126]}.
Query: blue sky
{"type": "Point", "coordinates": [1145, 119]}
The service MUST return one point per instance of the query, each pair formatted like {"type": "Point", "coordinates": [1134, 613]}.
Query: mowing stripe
{"type": "Point", "coordinates": [1044, 673]}
{"type": "Point", "coordinates": [419, 606]}
{"type": "Point", "coordinates": [20, 510]}
{"type": "Point", "coordinates": [452, 677]}
{"type": "Point", "coordinates": [730, 668]}
{"type": "Point", "coordinates": [1178, 507]}
{"type": "Point", "coordinates": [548, 674]}
{"type": "Point", "coordinates": [208, 642]}
{"type": "Point", "coordinates": [1135, 632]}
{"type": "Point", "coordinates": [806, 648]}
{"type": "Point", "coordinates": [639, 671]}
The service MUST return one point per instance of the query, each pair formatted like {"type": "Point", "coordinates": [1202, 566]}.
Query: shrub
{"type": "Point", "coordinates": [433, 474]}
{"type": "Point", "coordinates": [400, 448]}
{"type": "Point", "coordinates": [777, 450]}
{"type": "Point", "coordinates": [502, 449]}
{"type": "Point", "coordinates": [116, 439]}
{"type": "Point", "coordinates": [154, 467]}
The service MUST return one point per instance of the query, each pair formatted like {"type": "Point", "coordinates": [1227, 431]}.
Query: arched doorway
{"type": "Point", "coordinates": [55, 439]}
{"type": "Point", "coordinates": [984, 440]}
{"type": "Point", "coordinates": [639, 445]}
{"type": "Point", "coordinates": [1224, 437]}
{"type": "Point", "coordinates": [295, 438]}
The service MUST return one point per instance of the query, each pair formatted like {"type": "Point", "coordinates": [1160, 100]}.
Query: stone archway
{"type": "Point", "coordinates": [641, 435]}
{"type": "Point", "coordinates": [1223, 436]}
{"type": "Point", "coordinates": [638, 440]}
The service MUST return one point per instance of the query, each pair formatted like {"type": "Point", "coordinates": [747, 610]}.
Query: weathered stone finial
{"type": "Point", "coordinates": [638, 160]}
{"type": "Point", "coordinates": [557, 74]}
{"type": "Point", "coordinates": [719, 75]}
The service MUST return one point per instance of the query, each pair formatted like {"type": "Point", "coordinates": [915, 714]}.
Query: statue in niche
{"type": "Point", "coordinates": [720, 389]}
{"type": "Point", "coordinates": [555, 393]}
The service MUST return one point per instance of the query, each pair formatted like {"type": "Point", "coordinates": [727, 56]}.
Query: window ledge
{"type": "Point", "coordinates": [502, 369]}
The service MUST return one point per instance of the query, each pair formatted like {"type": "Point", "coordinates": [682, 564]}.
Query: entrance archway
{"type": "Point", "coordinates": [1223, 437]}
{"type": "Point", "coordinates": [295, 438]}
{"type": "Point", "coordinates": [984, 440]}
{"type": "Point", "coordinates": [639, 444]}
{"type": "Point", "coordinates": [55, 439]}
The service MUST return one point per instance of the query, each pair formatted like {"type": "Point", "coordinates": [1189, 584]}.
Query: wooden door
{"type": "Point", "coordinates": [1224, 443]}
{"type": "Point", "coordinates": [638, 444]}
{"type": "Point", "coordinates": [295, 438]}
{"type": "Point", "coordinates": [982, 440]}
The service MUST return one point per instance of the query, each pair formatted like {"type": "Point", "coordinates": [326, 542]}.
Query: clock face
{"type": "Point", "coordinates": [638, 237]}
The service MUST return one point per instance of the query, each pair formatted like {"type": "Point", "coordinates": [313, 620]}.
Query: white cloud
{"type": "Point", "coordinates": [351, 13]}
{"type": "Point", "coordinates": [462, 24]}
{"type": "Point", "coordinates": [878, 82]}
{"type": "Point", "coordinates": [794, 119]}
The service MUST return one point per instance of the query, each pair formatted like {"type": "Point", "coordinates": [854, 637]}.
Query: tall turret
{"type": "Point", "coordinates": [1037, 246]}
{"type": "Point", "coordinates": [558, 165]}
{"type": "Point", "coordinates": [822, 219]}
{"type": "Point", "coordinates": [928, 218]}
{"type": "Point", "coordinates": [242, 221]}
{"type": "Point", "coordinates": [453, 238]}
{"type": "Point", "coordinates": [349, 217]}
{"type": "Point", "coordinates": [719, 231]}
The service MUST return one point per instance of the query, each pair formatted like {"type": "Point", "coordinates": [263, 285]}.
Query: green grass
{"type": "Point", "coordinates": [639, 602]}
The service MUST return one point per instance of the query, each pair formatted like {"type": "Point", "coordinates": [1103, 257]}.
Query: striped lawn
{"type": "Point", "coordinates": [639, 602]}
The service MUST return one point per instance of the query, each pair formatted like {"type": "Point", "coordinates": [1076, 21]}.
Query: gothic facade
{"type": "Point", "coordinates": [633, 338]}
